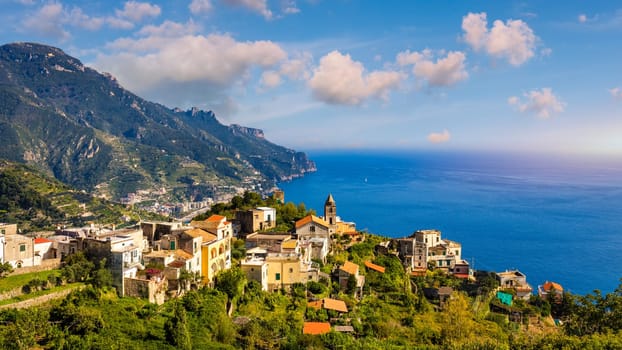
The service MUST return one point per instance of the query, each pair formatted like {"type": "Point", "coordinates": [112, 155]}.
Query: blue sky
{"type": "Point", "coordinates": [318, 74]}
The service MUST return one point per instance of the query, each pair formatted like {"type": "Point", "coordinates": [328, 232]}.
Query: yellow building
{"type": "Point", "coordinates": [216, 246]}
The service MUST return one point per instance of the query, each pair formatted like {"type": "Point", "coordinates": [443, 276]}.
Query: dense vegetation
{"type": "Point", "coordinates": [393, 314]}
{"type": "Point", "coordinates": [35, 201]}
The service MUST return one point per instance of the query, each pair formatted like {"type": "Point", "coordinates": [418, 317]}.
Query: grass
{"type": "Point", "coordinates": [40, 293]}
{"type": "Point", "coordinates": [18, 281]}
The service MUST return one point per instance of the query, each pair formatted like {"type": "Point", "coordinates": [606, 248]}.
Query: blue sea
{"type": "Point", "coordinates": [553, 218]}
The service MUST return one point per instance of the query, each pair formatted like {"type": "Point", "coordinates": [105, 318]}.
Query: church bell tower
{"type": "Point", "coordinates": [330, 211]}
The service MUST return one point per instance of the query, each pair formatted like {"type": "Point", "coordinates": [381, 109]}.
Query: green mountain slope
{"type": "Point", "coordinates": [83, 128]}
{"type": "Point", "coordinates": [36, 202]}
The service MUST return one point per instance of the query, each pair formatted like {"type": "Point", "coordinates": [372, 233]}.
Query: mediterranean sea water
{"type": "Point", "coordinates": [553, 218]}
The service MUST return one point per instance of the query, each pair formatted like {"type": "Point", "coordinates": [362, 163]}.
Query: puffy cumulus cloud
{"type": "Point", "coordinates": [512, 40]}
{"type": "Point", "coordinates": [48, 21]}
{"type": "Point", "coordinates": [258, 6]}
{"type": "Point", "coordinates": [298, 67]}
{"type": "Point", "coordinates": [200, 7]}
{"type": "Point", "coordinates": [270, 79]}
{"type": "Point", "coordinates": [170, 29]}
{"type": "Point", "coordinates": [136, 11]}
{"type": "Point", "coordinates": [51, 19]}
{"type": "Point", "coordinates": [78, 18]}
{"type": "Point", "coordinates": [541, 102]}
{"type": "Point", "coordinates": [439, 137]}
{"type": "Point", "coordinates": [444, 71]}
{"type": "Point", "coordinates": [186, 70]}
{"type": "Point", "coordinates": [616, 92]}
{"type": "Point", "coordinates": [340, 80]}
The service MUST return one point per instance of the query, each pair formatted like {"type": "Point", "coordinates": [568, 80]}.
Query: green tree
{"type": "Point", "coordinates": [5, 269]}
{"type": "Point", "coordinates": [231, 282]}
{"type": "Point", "coordinates": [176, 328]}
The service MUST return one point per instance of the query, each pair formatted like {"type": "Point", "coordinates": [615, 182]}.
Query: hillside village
{"type": "Point", "coordinates": [317, 282]}
{"type": "Point", "coordinates": [162, 260]}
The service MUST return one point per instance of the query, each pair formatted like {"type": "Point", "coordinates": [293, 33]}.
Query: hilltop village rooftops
{"type": "Point", "coordinates": [311, 218]}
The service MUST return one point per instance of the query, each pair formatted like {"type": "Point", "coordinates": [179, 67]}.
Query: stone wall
{"type": "Point", "coordinates": [150, 289]}
{"type": "Point", "coordinates": [47, 264]}
{"type": "Point", "coordinates": [39, 300]}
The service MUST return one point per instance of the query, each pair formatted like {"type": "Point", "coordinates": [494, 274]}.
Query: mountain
{"type": "Point", "coordinates": [83, 128]}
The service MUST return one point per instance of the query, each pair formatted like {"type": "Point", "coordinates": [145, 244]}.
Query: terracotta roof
{"type": "Point", "coordinates": [334, 304]}
{"type": "Point", "coordinates": [182, 254]}
{"type": "Point", "coordinates": [195, 232]}
{"type": "Point", "coordinates": [42, 240]}
{"type": "Point", "coordinates": [548, 286]}
{"type": "Point", "coordinates": [461, 275]}
{"type": "Point", "coordinates": [350, 268]}
{"type": "Point", "coordinates": [216, 218]}
{"type": "Point", "coordinates": [374, 267]}
{"type": "Point", "coordinates": [315, 328]}
{"type": "Point", "coordinates": [315, 304]}
{"type": "Point", "coordinates": [350, 233]}
{"type": "Point", "coordinates": [177, 264]}
{"type": "Point", "coordinates": [311, 218]}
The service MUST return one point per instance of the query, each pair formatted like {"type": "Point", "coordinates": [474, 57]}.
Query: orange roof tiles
{"type": "Point", "coordinates": [334, 304]}
{"type": "Point", "coordinates": [216, 218]}
{"type": "Point", "coordinates": [315, 328]}
{"type": "Point", "coordinates": [350, 268]}
{"type": "Point", "coordinates": [311, 218]}
{"type": "Point", "coordinates": [374, 267]}
{"type": "Point", "coordinates": [182, 254]}
{"type": "Point", "coordinates": [42, 240]}
{"type": "Point", "coordinates": [197, 232]}
{"type": "Point", "coordinates": [548, 286]}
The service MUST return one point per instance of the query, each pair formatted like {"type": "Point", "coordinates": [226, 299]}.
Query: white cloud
{"type": "Point", "coordinates": [616, 92]}
{"type": "Point", "coordinates": [340, 80]}
{"type": "Point", "coordinates": [289, 7]}
{"type": "Point", "coordinates": [582, 18]}
{"type": "Point", "coordinates": [436, 137]}
{"type": "Point", "coordinates": [187, 70]}
{"type": "Point", "coordinates": [79, 19]}
{"type": "Point", "coordinates": [200, 7]}
{"type": "Point", "coordinates": [119, 23]}
{"type": "Point", "coordinates": [270, 79]}
{"type": "Point", "coordinates": [541, 102]}
{"type": "Point", "coordinates": [136, 11]}
{"type": "Point", "coordinates": [48, 21]}
{"type": "Point", "coordinates": [298, 68]}
{"type": "Point", "coordinates": [512, 40]}
{"type": "Point", "coordinates": [258, 6]}
{"type": "Point", "coordinates": [445, 71]}
{"type": "Point", "coordinates": [170, 29]}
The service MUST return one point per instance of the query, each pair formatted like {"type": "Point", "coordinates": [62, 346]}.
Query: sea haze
{"type": "Point", "coordinates": [554, 218]}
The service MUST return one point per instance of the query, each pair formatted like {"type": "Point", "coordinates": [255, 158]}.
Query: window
{"type": "Point", "coordinates": [437, 238]}
{"type": "Point", "coordinates": [312, 229]}
{"type": "Point", "coordinates": [172, 245]}
{"type": "Point", "coordinates": [2, 231]}
{"type": "Point", "coordinates": [426, 240]}
{"type": "Point", "coordinates": [22, 247]}
{"type": "Point", "coordinates": [291, 270]}
{"type": "Point", "coordinates": [195, 247]}
{"type": "Point", "coordinates": [278, 277]}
